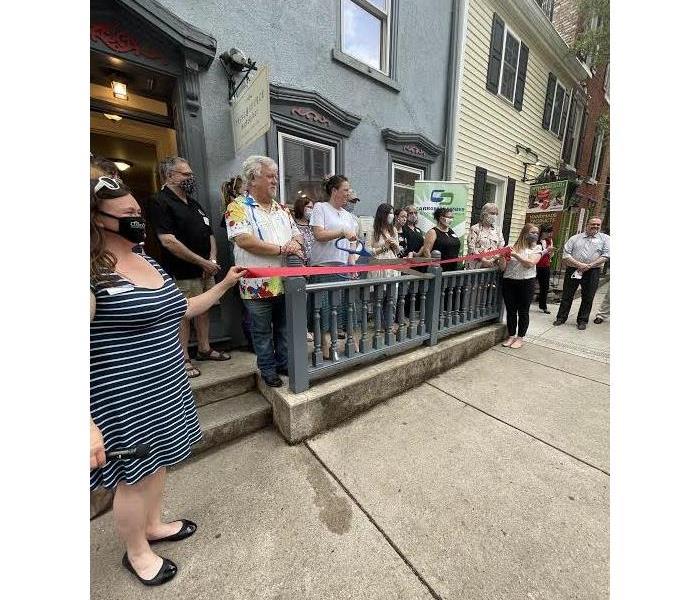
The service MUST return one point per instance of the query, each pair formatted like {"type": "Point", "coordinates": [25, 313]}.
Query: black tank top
{"type": "Point", "coordinates": [448, 245]}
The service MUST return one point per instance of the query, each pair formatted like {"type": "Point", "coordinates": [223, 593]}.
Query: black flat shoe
{"type": "Point", "coordinates": [167, 571]}
{"type": "Point", "coordinates": [187, 529]}
{"type": "Point", "coordinates": [273, 380]}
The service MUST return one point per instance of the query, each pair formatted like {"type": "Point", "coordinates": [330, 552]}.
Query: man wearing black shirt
{"type": "Point", "coordinates": [189, 249]}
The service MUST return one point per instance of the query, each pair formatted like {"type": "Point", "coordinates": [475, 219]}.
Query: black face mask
{"type": "Point", "coordinates": [188, 185]}
{"type": "Point", "coordinates": [131, 228]}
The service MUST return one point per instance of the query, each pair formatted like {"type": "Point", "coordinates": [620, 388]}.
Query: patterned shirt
{"type": "Point", "coordinates": [587, 248]}
{"type": "Point", "coordinates": [483, 239]}
{"type": "Point", "coordinates": [275, 227]}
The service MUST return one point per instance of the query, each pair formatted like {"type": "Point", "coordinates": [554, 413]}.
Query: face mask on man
{"type": "Point", "coordinates": [489, 219]}
{"type": "Point", "coordinates": [307, 213]}
{"type": "Point", "coordinates": [188, 185]}
{"type": "Point", "coordinates": [132, 228]}
{"type": "Point", "coordinates": [390, 218]}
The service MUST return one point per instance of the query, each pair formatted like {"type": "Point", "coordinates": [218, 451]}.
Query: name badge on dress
{"type": "Point", "coordinates": [113, 291]}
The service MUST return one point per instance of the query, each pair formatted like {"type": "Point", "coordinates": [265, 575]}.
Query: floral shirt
{"type": "Point", "coordinates": [483, 239]}
{"type": "Point", "coordinates": [275, 226]}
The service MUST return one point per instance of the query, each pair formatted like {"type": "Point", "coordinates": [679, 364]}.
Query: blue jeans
{"type": "Point", "coordinates": [269, 331]}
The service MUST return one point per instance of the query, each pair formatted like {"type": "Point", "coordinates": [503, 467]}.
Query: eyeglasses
{"type": "Point", "coordinates": [106, 182]}
{"type": "Point", "coordinates": [186, 174]}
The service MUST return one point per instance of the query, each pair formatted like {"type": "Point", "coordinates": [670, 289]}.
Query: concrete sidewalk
{"type": "Point", "coordinates": [489, 481]}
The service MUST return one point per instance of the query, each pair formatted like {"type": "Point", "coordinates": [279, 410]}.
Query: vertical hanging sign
{"type": "Point", "coordinates": [250, 111]}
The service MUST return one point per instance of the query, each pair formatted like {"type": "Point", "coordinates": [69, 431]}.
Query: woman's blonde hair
{"type": "Point", "coordinates": [521, 243]}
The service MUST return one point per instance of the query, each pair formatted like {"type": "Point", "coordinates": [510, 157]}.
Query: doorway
{"type": "Point", "coordinates": [136, 148]}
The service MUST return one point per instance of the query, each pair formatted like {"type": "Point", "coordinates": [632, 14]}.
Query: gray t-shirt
{"type": "Point", "coordinates": [327, 216]}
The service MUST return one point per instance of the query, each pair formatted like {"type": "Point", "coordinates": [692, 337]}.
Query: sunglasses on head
{"type": "Point", "coordinates": [106, 182]}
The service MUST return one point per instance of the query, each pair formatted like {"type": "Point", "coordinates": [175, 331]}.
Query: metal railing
{"type": "Point", "coordinates": [382, 317]}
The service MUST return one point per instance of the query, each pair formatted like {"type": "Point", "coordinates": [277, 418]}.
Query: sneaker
{"type": "Point", "coordinates": [597, 320]}
{"type": "Point", "coordinates": [581, 325]}
{"type": "Point", "coordinates": [273, 380]}
{"type": "Point", "coordinates": [558, 322]}
{"type": "Point", "coordinates": [283, 371]}
{"type": "Point", "coordinates": [545, 311]}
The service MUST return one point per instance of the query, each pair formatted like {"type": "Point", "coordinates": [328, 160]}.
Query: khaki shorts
{"type": "Point", "coordinates": [195, 287]}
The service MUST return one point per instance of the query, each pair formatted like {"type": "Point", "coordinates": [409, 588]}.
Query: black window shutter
{"type": "Point", "coordinates": [549, 101]}
{"type": "Point", "coordinates": [600, 162]}
{"type": "Point", "coordinates": [508, 211]}
{"type": "Point", "coordinates": [522, 71]}
{"type": "Point", "coordinates": [565, 116]}
{"type": "Point", "coordinates": [579, 151]}
{"type": "Point", "coordinates": [479, 194]}
{"type": "Point", "coordinates": [494, 71]}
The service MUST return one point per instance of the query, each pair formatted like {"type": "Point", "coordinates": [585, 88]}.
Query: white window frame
{"type": "Point", "coordinates": [506, 31]}
{"type": "Point", "coordinates": [281, 136]}
{"type": "Point", "coordinates": [592, 26]}
{"type": "Point", "coordinates": [597, 150]}
{"type": "Point", "coordinates": [606, 83]}
{"type": "Point", "coordinates": [385, 32]}
{"type": "Point", "coordinates": [576, 135]}
{"type": "Point", "coordinates": [402, 167]}
{"type": "Point", "coordinates": [500, 183]}
{"type": "Point", "coordinates": [558, 85]}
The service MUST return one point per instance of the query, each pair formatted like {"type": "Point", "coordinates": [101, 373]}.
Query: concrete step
{"type": "Point", "coordinates": [221, 421]}
{"type": "Point", "coordinates": [330, 401]}
{"type": "Point", "coordinates": [224, 379]}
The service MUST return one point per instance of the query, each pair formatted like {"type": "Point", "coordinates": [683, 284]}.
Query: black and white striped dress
{"type": "Point", "coordinates": [139, 392]}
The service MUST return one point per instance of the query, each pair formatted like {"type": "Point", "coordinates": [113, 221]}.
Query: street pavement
{"type": "Point", "coordinates": [489, 481]}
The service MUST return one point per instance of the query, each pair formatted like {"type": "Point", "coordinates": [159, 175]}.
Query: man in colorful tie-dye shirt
{"type": "Point", "coordinates": [263, 234]}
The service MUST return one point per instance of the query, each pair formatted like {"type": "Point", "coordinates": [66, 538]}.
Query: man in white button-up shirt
{"type": "Point", "coordinates": [584, 254]}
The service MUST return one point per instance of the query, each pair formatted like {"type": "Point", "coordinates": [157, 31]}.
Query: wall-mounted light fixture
{"type": "Point", "coordinates": [112, 117]}
{"type": "Point", "coordinates": [529, 158]}
{"type": "Point", "coordinates": [235, 62]}
{"type": "Point", "coordinates": [119, 90]}
{"type": "Point", "coordinates": [121, 163]}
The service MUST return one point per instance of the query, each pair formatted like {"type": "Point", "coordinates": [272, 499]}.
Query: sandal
{"type": "Point", "coordinates": [209, 355]}
{"type": "Point", "coordinates": [191, 371]}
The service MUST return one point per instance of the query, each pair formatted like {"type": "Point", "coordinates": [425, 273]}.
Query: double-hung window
{"type": "Point", "coordinates": [596, 163]}
{"type": "Point", "coordinates": [556, 105]}
{"type": "Point", "coordinates": [303, 164]}
{"type": "Point", "coordinates": [570, 147]}
{"type": "Point", "coordinates": [507, 65]}
{"type": "Point", "coordinates": [365, 31]}
{"type": "Point", "coordinates": [403, 181]}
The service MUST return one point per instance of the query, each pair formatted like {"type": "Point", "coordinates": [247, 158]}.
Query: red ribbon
{"type": "Point", "coordinates": [333, 270]}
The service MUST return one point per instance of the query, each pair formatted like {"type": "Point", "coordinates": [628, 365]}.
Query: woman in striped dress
{"type": "Point", "coordinates": [139, 392]}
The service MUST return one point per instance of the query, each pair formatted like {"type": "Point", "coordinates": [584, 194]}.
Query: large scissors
{"type": "Point", "coordinates": [367, 258]}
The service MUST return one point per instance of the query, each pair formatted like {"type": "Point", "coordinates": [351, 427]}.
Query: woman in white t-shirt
{"type": "Point", "coordinates": [331, 222]}
{"type": "Point", "coordinates": [519, 283]}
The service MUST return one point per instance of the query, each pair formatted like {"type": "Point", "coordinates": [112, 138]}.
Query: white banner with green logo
{"type": "Point", "coordinates": [428, 195]}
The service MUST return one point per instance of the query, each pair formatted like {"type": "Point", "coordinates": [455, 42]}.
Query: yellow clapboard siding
{"type": "Point", "coordinates": [488, 126]}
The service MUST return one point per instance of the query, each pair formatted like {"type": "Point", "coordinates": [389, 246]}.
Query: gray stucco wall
{"type": "Point", "coordinates": [296, 39]}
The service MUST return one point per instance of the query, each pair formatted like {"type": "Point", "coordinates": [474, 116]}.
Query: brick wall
{"type": "Point", "coordinates": [566, 19]}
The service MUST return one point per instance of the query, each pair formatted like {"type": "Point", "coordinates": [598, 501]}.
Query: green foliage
{"type": "Point", "coordinates": [595, 42]}
{"type": "Point", "coordinates": [604, 123]}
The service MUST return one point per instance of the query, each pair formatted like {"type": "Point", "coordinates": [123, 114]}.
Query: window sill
{"type": "Point", "coordinates": [504, 100]}
{"type": "Point", "coordinates": [365, 70]}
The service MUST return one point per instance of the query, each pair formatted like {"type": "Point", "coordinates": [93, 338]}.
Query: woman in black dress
{"type": "Point", "coordinates": [139, 392]}
{"type": "Point", "coordinates": [443, 238]}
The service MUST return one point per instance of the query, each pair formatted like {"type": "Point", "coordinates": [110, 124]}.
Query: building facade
{"type": "Point", "coordinates": [517, 79]}
{"type": "Point", "coordinates": [588, 153]}
{"type": "Point", "coordinates": [359, 87]}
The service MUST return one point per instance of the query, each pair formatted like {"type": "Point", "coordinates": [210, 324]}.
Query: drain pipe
{"type": "Point", "coordinates": [460, 10]}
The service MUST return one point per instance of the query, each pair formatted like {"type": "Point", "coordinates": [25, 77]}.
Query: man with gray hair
{"type": "Point", "coordinates": [263, 234]}
{"type": "Point", "coordinates": [188, 249]}
{"type": "Point", "coordinates": [485, 236]}
{"type": "Point", "coordinates": [584, 254]}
